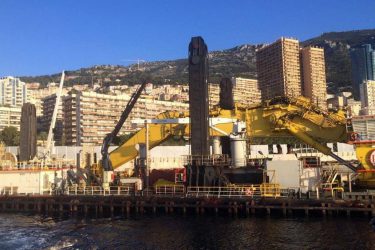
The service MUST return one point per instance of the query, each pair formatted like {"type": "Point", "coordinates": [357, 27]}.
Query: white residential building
{"type": "Point", "coordinates": [13, 92]}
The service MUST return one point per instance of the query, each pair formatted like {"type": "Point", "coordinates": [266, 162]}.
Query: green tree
{"type": "Point", "coordinates": [10, 136]}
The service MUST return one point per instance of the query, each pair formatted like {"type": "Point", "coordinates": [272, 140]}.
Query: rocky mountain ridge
{"type": "Point", "coordinates": [238, 61]}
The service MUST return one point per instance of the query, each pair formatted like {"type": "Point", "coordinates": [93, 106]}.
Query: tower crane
{"type": "Point", "coordinates": [135, 60]}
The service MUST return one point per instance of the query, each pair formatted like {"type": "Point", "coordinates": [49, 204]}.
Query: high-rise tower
{"type": "Point", "coordinates": [314, 76]}
{"type": "Point", "coordinates": [278, 66]}
{"type": "Point", "coordinates": [363, 66]}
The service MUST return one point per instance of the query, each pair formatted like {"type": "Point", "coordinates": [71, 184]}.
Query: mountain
{"type": "Point", "coordinates": [336, 49]}
{"type": "Point", "coordinates": [237, 61]}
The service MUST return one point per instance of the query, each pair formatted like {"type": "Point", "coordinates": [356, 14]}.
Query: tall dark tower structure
{"type": "Point", "coordinates": [198, 96]}
{"type": "Point", "coordinates": [28, 132]}
{"type": "Point", "coordinates": [226, 100]}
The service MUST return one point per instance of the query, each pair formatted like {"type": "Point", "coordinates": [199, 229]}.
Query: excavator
{"type": "Point", "coordinates": [280, 120]}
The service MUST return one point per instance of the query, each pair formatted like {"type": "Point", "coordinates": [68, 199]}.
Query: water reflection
{"type": "Point", "coordinates": [167, 232]}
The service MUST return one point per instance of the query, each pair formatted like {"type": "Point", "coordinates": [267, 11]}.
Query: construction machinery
{"type": "Point", "coordinates": [278, 121]}
{"type": "Point", "coordinates": [106, 162]}
{"type": "Point", "coordinates": [365, 151]}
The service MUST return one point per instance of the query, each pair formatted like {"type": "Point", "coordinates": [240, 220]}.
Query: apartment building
{"type": "Point", "coordinates": [279, 71]}
{"type": "Point", "coordinates": [213, 94]}
{"type": "Point", "coordinates": [314, 76]}
{"type": "Point", "coordinates": [10, 116]}
{"type": "Point", "coordinates": [89, 116]}
{"type": "Point", "coordinates": [246, 91]}
{"type": "Point", "coordinates": [48, 106]}
{"type": "Point", "coordinates": [36, 95]}
{"type": "Point", "coordinates": [367, 96]}
{"type": "Point", "coordinates": [13, 92]}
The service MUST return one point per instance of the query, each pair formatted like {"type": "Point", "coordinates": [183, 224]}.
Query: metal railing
{"type": "Point", "coordinates": [170, 190]}
{"type": "Point", "coordinates": [98, 190]}
{"type": "Point", "coordinates": [207, 160]}
{"type": "Point", "coordinates": [262, 190]}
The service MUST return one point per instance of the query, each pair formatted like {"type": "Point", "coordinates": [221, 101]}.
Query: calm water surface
{"type": "Point", "coordinates": [167, 232]}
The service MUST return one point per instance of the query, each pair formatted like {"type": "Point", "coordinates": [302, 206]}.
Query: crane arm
{"type": "Point", "coordinates": [158, 133]}
{"type": "Point", "coordinates": [106, 162]}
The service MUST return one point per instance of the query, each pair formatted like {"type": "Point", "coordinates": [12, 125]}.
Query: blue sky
{"type": "Point", "coordinates": [46, 36]}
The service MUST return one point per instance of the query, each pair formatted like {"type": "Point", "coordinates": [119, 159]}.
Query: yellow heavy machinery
{"type": "Point", "coordinates": [365, 151]}
{"type": "Point", "coordinates": [281, 120]}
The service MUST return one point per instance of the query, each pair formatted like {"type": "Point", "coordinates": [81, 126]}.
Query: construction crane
{"type": "Point", "coordinates": [50, 143]}
{"type": "Point", "coordinates": [106, 161]}
{"type": "Point", "coordinates": [134, 60]}
{"type": "Point", "coordinates": [279, 121]}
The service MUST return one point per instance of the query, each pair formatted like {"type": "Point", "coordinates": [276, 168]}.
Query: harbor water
{"type": "Point", "coordinates": [19, 231]}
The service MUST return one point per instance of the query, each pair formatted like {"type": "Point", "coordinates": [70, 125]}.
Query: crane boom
{"type": "Point", "coordinates": [106, 162]}
{"type": "Point", "coordinates": [49, 145]}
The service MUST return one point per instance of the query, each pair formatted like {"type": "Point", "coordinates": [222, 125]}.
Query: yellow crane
{"type": "Point", "coordinates": [282, 120]}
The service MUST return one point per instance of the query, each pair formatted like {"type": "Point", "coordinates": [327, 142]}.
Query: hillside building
{"type": "Point", "coordinates": [363, 66]}
{"type": "Point", "coordinates": [367, 96]}
{"type": "Point", "coordinates": [89, 116]}
{"type": "Point", "coordinates": [13, 92]}
{"type": "Point", "coordinates": [48, 106]}
{"type": "Point", "coordinates": [314, 76]}
{"type": "Point", "coordinates": [10, 117]}
{"type": "Point", "coordinates": [279, 71]}
{"type": "Point", "coordinates": [285, 69]}
{"type": "Point", "coordinates": [246, 91]}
